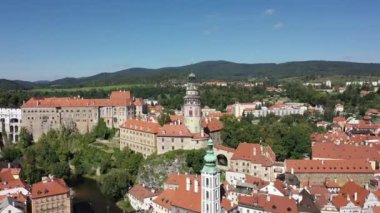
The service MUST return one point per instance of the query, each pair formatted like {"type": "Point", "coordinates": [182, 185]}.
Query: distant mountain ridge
{"type": "Point", "coordinates": [214, 70]}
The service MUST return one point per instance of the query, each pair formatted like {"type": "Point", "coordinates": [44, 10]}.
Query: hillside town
{"type": "Point", "coordinates": [341, 174]}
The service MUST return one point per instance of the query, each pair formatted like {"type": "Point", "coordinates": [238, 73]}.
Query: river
{"type": "Point", "coordinates": [89, 199]}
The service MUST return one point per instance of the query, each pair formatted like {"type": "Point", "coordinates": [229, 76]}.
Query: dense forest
{"type": "Point", "coordinates": [211, 70]}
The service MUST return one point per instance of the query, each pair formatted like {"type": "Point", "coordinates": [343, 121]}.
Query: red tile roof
{"type": "Point", "coordinates": [225, 148]}
{"type": "Point", "coordinates": [190, 200]}
{"type": "Point", "coordinates": [122, 98]}
{"type": "Point", "coordinates": [52, 187]}
{"type": "Point", "coordinates": [328, 166]}
{"type": "Point", "coordinates": [6, 175]}
{"type": "Point", "coordinates": [166, 198]}
{"type": "Point", "coordinates": [332, 184]}
{"type": "Point", "coordinates": [339, 119]}
{"type": "Point", "coordinates": [212, 124]}
{"type": "Point", "coordinates": [260, 183]}
{"type": "Point", "coordinates": [252, 152]}
{"type": "Point", "coordinates": [276, 204]}
{"type": "Point", "coordinates": [180, 118]}
{"type": "Point", "coordinates": [13, 171]}
{"type": "Point", "coordinates": [348, 190]}
{"type": "Point", "coordinates": [345, 151]}
{"type": "Point", "coordinates": [13, 184]}
{"type": "Point", "coordinates": [376, 209]}
{"type": "Point", "coordinates": [169, 130]}
{"type": "Point", "coordinates": [227, 205]}
{"type": "Point", "coordinates": [140, 192]}
{"type": "Point", "coordinates": [143, 126]}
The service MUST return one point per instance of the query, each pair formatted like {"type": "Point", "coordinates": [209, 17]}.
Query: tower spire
{"type": "Point", "coordinates": [210, 159]}
{"type": "Point", "coordinates": [210, 182]}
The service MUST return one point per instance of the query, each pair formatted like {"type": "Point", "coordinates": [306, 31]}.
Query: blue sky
{"type": "Point", "coordinates": [58, 38]}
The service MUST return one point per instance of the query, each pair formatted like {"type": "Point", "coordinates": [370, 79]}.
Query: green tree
{"type": "Point", "coordinates": [163, 118]}
{"type": "Point", "coordinates": [115, 183]}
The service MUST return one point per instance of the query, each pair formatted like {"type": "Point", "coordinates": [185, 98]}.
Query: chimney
{"type": "Point", "coordinates": [355, 196]}
{"type": "Point", "coordinates": [254, 151]}
{"type": "Point", "coordinates": [292, 171]}
{"type": "Point", "coordinates": [9, 165]}
{"type": "Point", "coordinates": [196, 186]}
{"type": "Point", "coordinates": [44, 179]}
{"type": "Point", "coordinates": [187, 183]}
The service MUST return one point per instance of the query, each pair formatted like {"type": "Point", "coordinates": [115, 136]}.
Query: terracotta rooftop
{"type": "Point", "coordinates": [212, 124]}
{"type": "Point", "coordinates": [140, 192]}
{"type": "Point", "coordinates": [339, 119]}
{"type": "Point", "coordinates": [166, 198]}
{"type": "Point", "coordinates": [328, 166]}
{"type": "Point", "coordinates": [180, 118]}
{"type": "Point", "coordinates": [270, 203]}
{"type": "Point", "coordinates": [13, 184]}
{"type": "Point", "coordinates": [169, 130]}
{"type": "Point", "coordinates": [122, 98]}
{"type": "Point", "coordinates": [13, 171]}
{"type": "Point", "coordinates": [189, 200]}
{"type": "Point", "coordinates": [254, 153]}
{"type": "Point", "coordinates": [143, 126]}
{"type": "Point", "coordinates": [225, 148]}
{"type": "Point", "coordinates": [348, 191]}
{"type": "Point", "coordinates": [6, 175]}
{"type": "Point", "coordinates": [345, 151]}
{"type": "Point", "coordinates": [51, 187]}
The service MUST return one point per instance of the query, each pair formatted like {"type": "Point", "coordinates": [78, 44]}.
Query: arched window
{"type": "Point", "coordinates": [207, 195]}
{"type": "Point", "coordinates": [207, 182]}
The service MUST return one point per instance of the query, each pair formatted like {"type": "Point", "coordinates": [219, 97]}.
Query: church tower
{"type": "Point", "coordinates": [192, 106]}
{"type": "Point", "coordinates": [210, 182]}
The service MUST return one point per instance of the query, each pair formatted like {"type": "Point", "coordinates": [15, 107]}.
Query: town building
{"type": "Point", "coordinates": [194, 193]}
{"type": "Point", "coordinates": [11, 205]}
{"type": "Point", "coordinates": [319, 171]}
{"type": "Point", "coordinates": [10, 124]}
{"type": "Point", "coordinates": [173, 137]}
{"type": "Point", "coordinates": [341, 151]}
{"type": "Point", "coordinates": [139, 136]}
{"type": "Point", "coordinates": [39, 115]}
{"type": "Point", "coordinates": [262, 203]}
{"type": "Point", "coordinates": [141, 197]}
{"type": "Point", "coordinates": [185, 131]}
{"type": "Point", "coordinates": [250, 159]}
{"type": "Point", "coordinates": [51, 195]}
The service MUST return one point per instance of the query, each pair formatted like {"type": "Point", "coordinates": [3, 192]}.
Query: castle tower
{"type": "Point", "coordinates": [192, 106]}
{"type": "Point", "coordinates": [210, 183]}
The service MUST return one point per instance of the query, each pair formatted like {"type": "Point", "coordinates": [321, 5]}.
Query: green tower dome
{"type": "Point", "coordinates": [210, 159]}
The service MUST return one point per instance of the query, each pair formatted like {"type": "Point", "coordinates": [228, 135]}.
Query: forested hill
{"type": "Point", "coordinates": [224, 70]}
{"type": "Point", "coordinates": [14, 85]}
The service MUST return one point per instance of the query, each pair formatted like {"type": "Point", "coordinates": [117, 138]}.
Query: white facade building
{"type": "Point", "coordinates": [10, 123]}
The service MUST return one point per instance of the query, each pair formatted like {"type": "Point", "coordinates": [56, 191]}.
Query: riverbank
{"type": "Point", "coordinates": [89, 199]}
